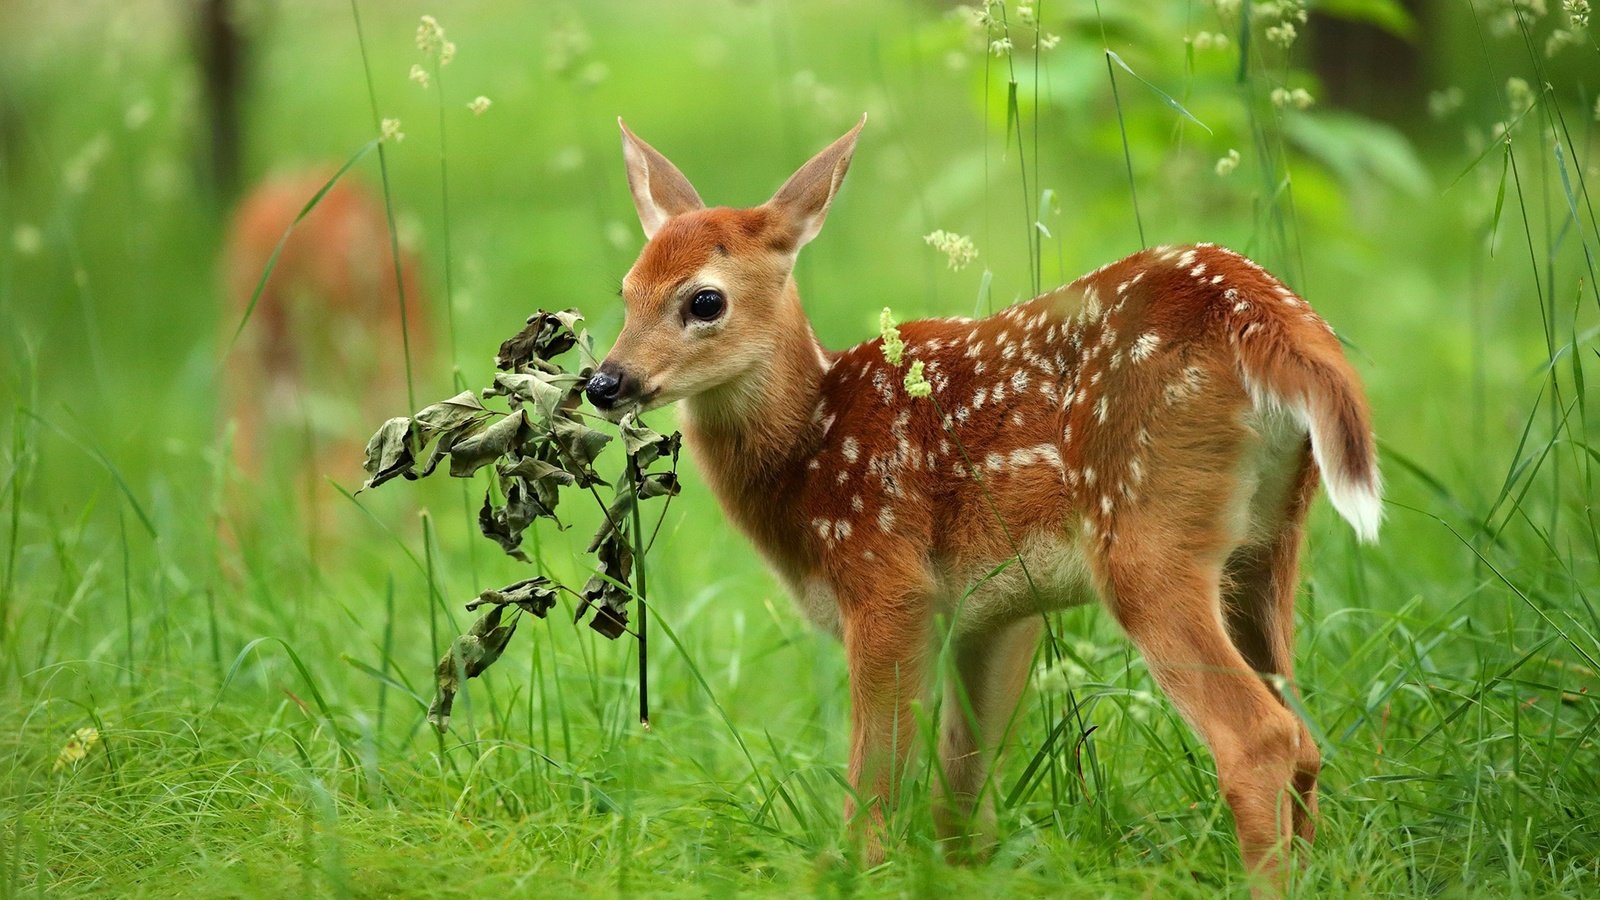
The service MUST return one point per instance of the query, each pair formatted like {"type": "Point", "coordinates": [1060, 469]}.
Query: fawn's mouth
{"type": "Point", "coordinates": [632, 406]}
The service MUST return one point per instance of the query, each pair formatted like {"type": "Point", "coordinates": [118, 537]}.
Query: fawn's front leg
{"type": "Point", "coordinates": [886, 644]}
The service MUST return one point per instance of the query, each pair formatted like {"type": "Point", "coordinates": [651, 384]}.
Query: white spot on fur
{"type": "Point", "coordinates": [1144, 346]}
{"type": "Point", "coordinates": [851, 449]}
{"type": "Point", "coordinates": [1091, 304]}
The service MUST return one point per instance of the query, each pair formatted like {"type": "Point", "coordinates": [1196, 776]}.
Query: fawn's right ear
{"type": "Point", "coordinates": [659, 190]}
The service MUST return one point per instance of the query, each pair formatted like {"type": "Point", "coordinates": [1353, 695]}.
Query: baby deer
{"type": "Point", "coordinates": [326, 327]}
{"type": "Point", "coordinates": [1150, 435]}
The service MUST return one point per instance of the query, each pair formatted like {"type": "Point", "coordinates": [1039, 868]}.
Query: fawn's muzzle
{"type": "Point", "coordinates": [608, 387]}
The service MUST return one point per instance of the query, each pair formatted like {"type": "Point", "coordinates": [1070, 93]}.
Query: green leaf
{"type": "Point", "coordinates": [579, 446]}
{"type": "Point", "coordinates": [449, 414]}
{"type": "Point", "coordinates": [547, 334]}
{"type": "Point", "coordinates": [1158, 91]}
{"type": "Point", "coordinates": [469, 656]}
{"type": "Point", "coordinates": [390, 453]}
{"type": "Point", "coordinates": [645, 445]}
{"type": "Point", "coordinates": [505, 524]}
{"type": "Point", "coordinates": [1388, 15]}
{"type": "Point", "coordinates": [545, 392]}
{"type": "Point", "coordinates": [1359, 150]}
{"type": "Point", "coordinates": [533, 595]}
{"type": "Point", "coordinates": [473, 453]}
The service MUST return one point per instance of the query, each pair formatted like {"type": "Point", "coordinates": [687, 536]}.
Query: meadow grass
{"type": "Point", "coordinates": [260, 699]}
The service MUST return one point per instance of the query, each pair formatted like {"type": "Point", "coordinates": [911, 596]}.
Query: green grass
{"type": "Point", "coordinates": [261, 699]}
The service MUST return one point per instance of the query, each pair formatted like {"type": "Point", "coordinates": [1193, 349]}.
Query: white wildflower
{"type": "Point", "coordinates": [893, 347]}
{"type": "Point", "coordinates": [1443, 103]}
{"type": "Point", "coordinates": [1226, 7]}
{"type": "Point", "coordinates": [1577, 13]}
{"type": "Point", "coordinates": [1049, 41]}
{"type": "Point", "coordinates": [78, 171]}
{"type": "Point", "coordinates": [594, 73]}
{"type": "Point", "coordinates": [77, 748]}
{"type": "Point", "coordinates": [1061, 676]}
{"type": "Point", "coordinates": [27, 239]}
{"type": "Point", "coordinates": [1519, 95]}
{"type": "Point", "coordinates": [1000, 47]}
{"type": "Point", "coordinates": [391, 131]}
{"type": "Point", "coordinates": [1227, 164]}
{"type": "Point", "coordinates": [138, 115]}
{"type": "Point", "coordinates": [1209, 40]}
{"type": "Point", "coordinates": [1025, 13]}
{"type": "Point", "coordinates": [419, 74]}
{"type": "Point", "coordinates": [1282, 33]}
{"type": "Point", "coordinates": [916, 385]}
{"type": "Point", "coordinates": [430, 35]}
{"type": "Point", "coordinates": [430, 40]}
{"type": "Point", "coordinates": [1299, 98]}
{"type": "Point", "coordinates": [479, 105]}
{"type": "Point", "coordinates": [1559, 39]}
{"type": "Point", "coordinates": [958, 249]}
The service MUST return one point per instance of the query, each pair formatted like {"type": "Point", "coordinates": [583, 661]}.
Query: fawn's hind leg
{"type": "Point", "coordinates": [1259, 587]}
{"type": "Point", "coordinates": [979, 702]}
{"type": "Point", "coordinates": [1168, 602]}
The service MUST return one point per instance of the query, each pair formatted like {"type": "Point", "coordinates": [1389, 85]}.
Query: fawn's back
{"type": "Point", "coordinates": [1050, 420]}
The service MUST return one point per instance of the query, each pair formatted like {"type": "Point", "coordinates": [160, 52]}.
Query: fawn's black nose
{"type": "Point", "coordinates": [603, 388]}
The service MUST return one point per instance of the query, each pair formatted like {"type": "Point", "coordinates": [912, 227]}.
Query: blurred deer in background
{"type": "Point", "coordinates": [1150, 435]}
{"type": "Point", "coordinates": [323, 351]}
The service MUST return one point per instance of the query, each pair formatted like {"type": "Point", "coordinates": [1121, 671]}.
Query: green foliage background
{"type": "Point", "coordinates": [260, 700]}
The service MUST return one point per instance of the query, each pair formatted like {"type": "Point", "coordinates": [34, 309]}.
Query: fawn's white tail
{"type": "Point", "coordinates": [1293, 364]}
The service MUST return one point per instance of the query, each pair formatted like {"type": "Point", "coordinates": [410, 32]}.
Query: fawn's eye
{"type": "Point", "coordinates": [707, 305]}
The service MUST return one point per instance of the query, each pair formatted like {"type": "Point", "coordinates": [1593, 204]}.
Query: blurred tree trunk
{"type": "Point", "coordinates": [221, 48]}
{"type": "Point", "coordinates": [1373, 68]}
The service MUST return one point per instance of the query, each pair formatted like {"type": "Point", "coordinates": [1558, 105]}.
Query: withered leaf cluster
{"type": "Point", "coordinates": [542, 443]}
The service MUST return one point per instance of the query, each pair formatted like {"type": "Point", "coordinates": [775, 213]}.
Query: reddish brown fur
{"type": "Point", "coordinates": [1139, 434]}
{"type": "Point", "coordinates": [326, 325]}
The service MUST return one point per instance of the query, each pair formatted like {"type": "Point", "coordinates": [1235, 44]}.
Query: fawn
{"type": "Point", "coordinates": [326, 327]}
{"type": "Point", "coordinates": [1150, 435]}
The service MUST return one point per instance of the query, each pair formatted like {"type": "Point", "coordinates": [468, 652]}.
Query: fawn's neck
{"type": "Point", "coordinates": [751, 437]}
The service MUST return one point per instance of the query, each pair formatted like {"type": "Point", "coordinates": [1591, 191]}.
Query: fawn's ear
{"type": "Point", "coordinates": [802, 203]}
{"type": "Point", "coordinates": [659, 190]}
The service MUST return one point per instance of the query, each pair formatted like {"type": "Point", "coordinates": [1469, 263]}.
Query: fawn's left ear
{"type": "Point", "coordinates": [659, 190]}
{"type": "Point", "coordinates": [802, 203]}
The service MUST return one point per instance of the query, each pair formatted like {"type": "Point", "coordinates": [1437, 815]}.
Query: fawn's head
{"type": "Point", "coordinates": [710, 301]}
